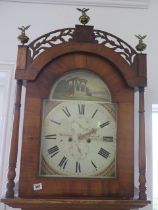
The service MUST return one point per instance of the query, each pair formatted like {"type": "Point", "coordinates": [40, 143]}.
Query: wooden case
{"type": "Point", "coordinates": [40, 64]}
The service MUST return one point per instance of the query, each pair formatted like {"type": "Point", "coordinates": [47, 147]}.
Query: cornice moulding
{"type": "Point", "coordinates": [137, 4]}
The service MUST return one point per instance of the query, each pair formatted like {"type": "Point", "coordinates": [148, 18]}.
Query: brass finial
{"type": "Point", "coordinates": [23, 37]}
{"type": "Point", "coordinates": [141, 46]}
{"type": "Point", "coordinates": [84, 18]}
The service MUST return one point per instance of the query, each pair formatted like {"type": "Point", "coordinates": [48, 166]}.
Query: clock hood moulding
{"type": "Point", "coordinates": [43, 49]}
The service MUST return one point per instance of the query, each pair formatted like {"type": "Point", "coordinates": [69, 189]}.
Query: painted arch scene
{"type": "Point", "coordinates": [80, 85]}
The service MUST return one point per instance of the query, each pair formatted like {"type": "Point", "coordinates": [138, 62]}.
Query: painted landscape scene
{"type": "Point", "coordinates": [81, 85]}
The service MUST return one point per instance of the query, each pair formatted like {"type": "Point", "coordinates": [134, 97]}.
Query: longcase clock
{"type": "Point", "coordinates": [78, 130]}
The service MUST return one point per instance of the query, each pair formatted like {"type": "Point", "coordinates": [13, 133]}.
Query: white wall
{"type": "Point", "coordinates": [6, 115]}
{"type": "Point", "coordinates": [124, 23]}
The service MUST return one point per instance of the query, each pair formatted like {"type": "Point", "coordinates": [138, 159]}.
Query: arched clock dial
{"type": "Point", "coordinates": [79, 139]}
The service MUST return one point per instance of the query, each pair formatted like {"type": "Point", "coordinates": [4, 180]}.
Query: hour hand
{"type": "Point", "coordinates": [87, 134]}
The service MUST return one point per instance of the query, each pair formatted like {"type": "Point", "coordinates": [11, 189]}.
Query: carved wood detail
{"type": "Point", "coordinates": [116, 44]}
{"type": "Point", "coordinates": [49, 40]}
{"type": "Point", "coordinates": [67, 35]}
{"type": "Point", "coordinates": [142, 154]}
{"type": "Point", "coordinates": [14, 144]}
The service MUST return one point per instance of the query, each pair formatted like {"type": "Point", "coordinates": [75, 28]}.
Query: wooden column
{"type": "Point", "coordinates": [14, 143]}
{"type": "Point", "coordinates": [142, 153]}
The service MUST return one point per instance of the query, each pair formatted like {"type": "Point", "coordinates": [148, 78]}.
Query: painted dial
{"type": "Point", "coordinates": [79, 139]}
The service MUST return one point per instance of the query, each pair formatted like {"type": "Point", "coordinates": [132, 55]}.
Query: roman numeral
{"type": "Point", "coordinates": [94, 113]}
{"type": "Point", "coordinates": [81, 109]}
{"type": "Point", "coordinates": [56, 122]}
{"type": "Point", "coordinates": [94, 164]}
{"type": "Point", "coordinates": [66, 111]}
{"type": "Point", "coordinates": [78, 167]}
{"type": "Point", "coordinates": [53, 151]}
{"type": "Point", "coordinates": [51, 136]}
{"type": "Point", "coordinates": [63, 162]}
{"type": "Point", "coordinates": [108, 138]}
{"type": "Point", "coordinates": [104, 153]}
{"type": "Point", "coordinates": [104, 124]}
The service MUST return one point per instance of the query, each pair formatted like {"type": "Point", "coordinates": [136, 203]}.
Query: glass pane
{"type": "Point", "coordinates": [76, 139]}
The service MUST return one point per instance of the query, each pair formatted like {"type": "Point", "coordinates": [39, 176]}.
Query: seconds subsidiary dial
{"type": "Point", "coordinates": [78, 139]}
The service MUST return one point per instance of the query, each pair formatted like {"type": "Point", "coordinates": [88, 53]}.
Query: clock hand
{"type": "Point", "coordinates": [85, 135]}
{"type": "Point", "coordinates": [92, 131]}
